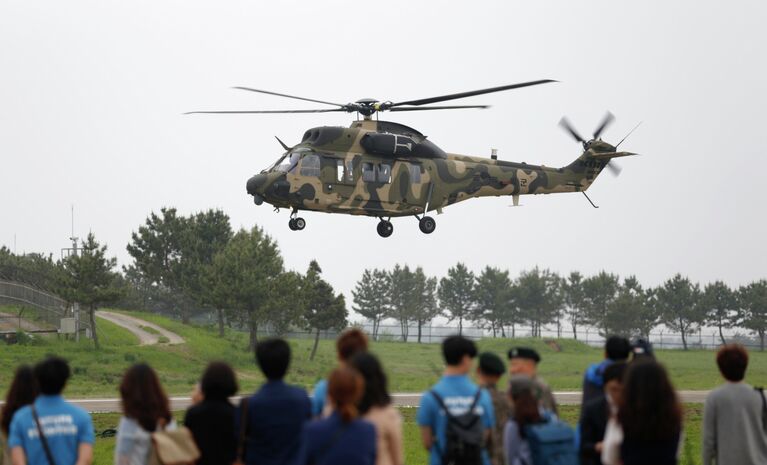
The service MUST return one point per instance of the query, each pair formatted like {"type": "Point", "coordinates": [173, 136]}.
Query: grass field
{"type": "Point", "coordinates": [414, 452]}
{"type": "Point", "coordinates": [411, 367]}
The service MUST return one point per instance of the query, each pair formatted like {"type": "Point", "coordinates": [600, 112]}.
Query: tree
{"type": "Point", "coordinates": [752, 301]}
{"type": "Point", "coordinates": [647, 315]}
{"type": "Point", "coordinates": [720, 305]}
{"type": "Point", "coordinates": [203, 236]}
{"type": "Point", "coordinates": [599, 293]}
{"type": "Point", "coordinates": [402, 300]}
{"type": "Point", "coordinates": [88, 279]}
{"type": "Point", "coordinates": [425, 299]}
{"type": "Point", "coordinates": [539, 298]}
{"type": "Point", "coordinates": [244, 278]}
{"type": "Point", "coordinates": [575, 300]}
{"type": "Point", "coordinates": [678, 301]}
{"type": "Point", "coordinates": [371, 297]}
{"type": "Point", "coordinates": [157, 252]}
{"type": "Point", "coordinates": [492, 299]}
{"type": "Point", "coordinates": [625, 315]}
{"type": "Point", "coordinates": [456, 294]}
{"type": "Point", "coordinates": [323, 309]}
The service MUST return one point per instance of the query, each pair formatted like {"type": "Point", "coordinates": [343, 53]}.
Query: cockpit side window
{"type": "Point", "coordinates": [310, 165]}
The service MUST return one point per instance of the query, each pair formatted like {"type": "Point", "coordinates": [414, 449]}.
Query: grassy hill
{"type": "Point", "coordinates": [411, 367]}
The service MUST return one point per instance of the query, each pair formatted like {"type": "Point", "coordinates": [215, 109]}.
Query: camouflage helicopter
{"type": "Point", "coordinates": [385, 169]}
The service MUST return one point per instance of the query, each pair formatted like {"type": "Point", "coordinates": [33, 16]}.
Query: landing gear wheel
{"type": "Point", "coordinates": [292, 225]}
{"type": "Point", "coordinates": [299, 223]}
{"type": "Point", "coordinates": [427, 224]}
{"type": "Point", "coordinates": [385, 228]}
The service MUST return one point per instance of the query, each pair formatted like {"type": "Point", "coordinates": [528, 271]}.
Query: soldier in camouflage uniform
{"type": "Point", "coordinates": [489, 372]}
{"type": "Point", "coordinates": [523, 361]}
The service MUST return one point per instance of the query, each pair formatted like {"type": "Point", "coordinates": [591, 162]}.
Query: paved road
{"type": "Point", "coordinates": [136, 325]}
{"type": "Point", "coordinates": [400, 399]}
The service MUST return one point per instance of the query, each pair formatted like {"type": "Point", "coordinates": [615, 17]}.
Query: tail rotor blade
{"type": "Point", "coordinates": [565, 124]}
{"type": "Point", "coordinates": [614, 168]}
{"type": "Point", "coordinates": [608, 119]}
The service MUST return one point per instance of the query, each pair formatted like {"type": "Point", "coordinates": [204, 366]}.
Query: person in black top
{"type": "Point", "coordinates": [650, 415]}
{"type": "Point", "coordinates": [596, 412]}
{"type": "Point", "coordinates": [212, 420]}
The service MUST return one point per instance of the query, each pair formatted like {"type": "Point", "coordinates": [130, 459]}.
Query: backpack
{"type": "Point", "coordinates": [552, 443]}
{"type": "Point", "coordinates": [465, 435]}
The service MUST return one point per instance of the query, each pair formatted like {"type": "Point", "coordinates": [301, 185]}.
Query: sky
{"type": "Point", "coordinates": [92, 96]}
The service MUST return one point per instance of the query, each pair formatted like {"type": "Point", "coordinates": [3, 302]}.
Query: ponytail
{"type": "Point", "coordinates": [345, 389]}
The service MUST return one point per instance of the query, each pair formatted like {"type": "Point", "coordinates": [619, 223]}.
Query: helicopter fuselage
{"type": "Point", "coordinates": [385, 169]}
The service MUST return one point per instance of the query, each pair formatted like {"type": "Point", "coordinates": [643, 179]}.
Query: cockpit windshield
{"type": "Point", "coordinates": [289, 160]}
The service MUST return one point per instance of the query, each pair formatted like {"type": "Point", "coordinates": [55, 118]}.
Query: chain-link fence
{"type": "Point", "coordinates": [32, 310]}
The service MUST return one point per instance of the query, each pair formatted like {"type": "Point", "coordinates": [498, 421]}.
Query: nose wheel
{"type": "Point", "coordinates": [297, 224]}
{"type": "Point", "coordinates": [385, 228]}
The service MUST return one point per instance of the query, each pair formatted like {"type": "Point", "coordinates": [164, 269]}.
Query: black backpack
{"type": "Point", "coordinates": [465, 435]}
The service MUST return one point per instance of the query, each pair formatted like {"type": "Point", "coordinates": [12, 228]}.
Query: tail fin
{"type": "Point", "coordinates": [592, 161]}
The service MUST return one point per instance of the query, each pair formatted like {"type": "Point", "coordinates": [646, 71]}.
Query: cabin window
{"type": "Point", "coordinates": [349, 172]}
{"type": "Point", "coordinates": [368, 172]}
{"type": "Point", "coordinates": [310, 165]}
{"type": "Point", "coordinates": [340, 170]}
{"type": "Point", "coordinates": [415, 174]}
{"type": "Point", "coordinates": [384, 173]}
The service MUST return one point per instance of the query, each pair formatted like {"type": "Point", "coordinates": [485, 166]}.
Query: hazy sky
{"type": "Point", "coordinates": [92, 95]}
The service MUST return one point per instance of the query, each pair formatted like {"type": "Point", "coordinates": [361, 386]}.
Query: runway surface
{"type": "Point", "coordinates": [400, 400]}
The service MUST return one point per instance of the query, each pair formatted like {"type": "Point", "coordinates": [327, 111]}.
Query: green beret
{"type": "Point", "coordinates": [491, 364]}
{"type": "Point", "coordinates": [524, 352]}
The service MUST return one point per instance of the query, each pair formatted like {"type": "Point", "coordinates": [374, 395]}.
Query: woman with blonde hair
{"type": "Point", "coordinates": [342, 438]}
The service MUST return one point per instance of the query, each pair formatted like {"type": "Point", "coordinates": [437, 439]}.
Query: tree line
{"type": "Point", "coordinates": [498, 302]}
{"type": "Point", "coordinates": [185, 265]}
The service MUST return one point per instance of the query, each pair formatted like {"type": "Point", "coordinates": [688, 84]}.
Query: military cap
{"type": "Point", "coordinates": [491, 364]}
{"type": "Point", "coordinates": [524, 352]}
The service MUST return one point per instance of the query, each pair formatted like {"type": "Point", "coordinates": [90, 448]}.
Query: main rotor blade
{"type": "Point", "coordinates": [472, 93]}
{"type": "Point", "coordinates": [263, 111]}
{"type": "Point", "coordinates": [286, 95]}
{"type": "Point", "coordinates": [444, 107]}
{"type": "Point", "coordinates": [565, 124]}
{"type": "Point", "coordinates": [608, 119]}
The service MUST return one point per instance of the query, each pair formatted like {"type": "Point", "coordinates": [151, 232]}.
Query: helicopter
{"type": "Point", "coordinates": [384, 169]}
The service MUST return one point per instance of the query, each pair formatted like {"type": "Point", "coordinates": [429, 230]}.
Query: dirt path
{"type": "Point", "coordinates": [136, 326]}
{"type": "Point", "coordinates": [10, 322]}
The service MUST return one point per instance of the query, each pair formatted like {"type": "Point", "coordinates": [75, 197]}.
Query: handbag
{"type": "Point", "coordinates": [242, 437]}
{"type": "Point", "coordinates": [173, 447]}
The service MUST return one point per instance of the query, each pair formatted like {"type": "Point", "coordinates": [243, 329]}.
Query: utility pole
{"type": "Point", "coordinates": [68, 251]}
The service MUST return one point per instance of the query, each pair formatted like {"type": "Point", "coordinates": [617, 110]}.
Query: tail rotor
{"type": "Point", "coordinates": [608, 119]}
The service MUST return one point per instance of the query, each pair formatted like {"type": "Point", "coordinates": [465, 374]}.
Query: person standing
{"type": "Point", "coordinates": [455, 395]}
{"type": "Point", "coordinates": [342, 438]}
{"type": "Point", "coordinates": [649, 415]}
{"type": "Point", "coordinates": [145, 410]}
{"type": "Point", "coordinates": [617, 349]}
{"type": "Point", "coordinates": [276, 413]}
{"type": "Point", "coordinates": [489, 372]}
{"type": "Point", "coordinates": [211, 418]}
{"type": "Point", "coordinates": [350, 342]}
{"type": "Point", "coordinates": [595, 415]}
{"type": "Point", "coordinates": [376, 407]}
{"type": "Point", "coordinates": [527, 411]}
{"type": "Point", "coordinates": [67, 430]}
{"type": "Point", "coordinates": [524, 361]}
{"type": "Point", "coordinates": [734, 427]}
{"type": "Point", "coordinates": [22, 392]}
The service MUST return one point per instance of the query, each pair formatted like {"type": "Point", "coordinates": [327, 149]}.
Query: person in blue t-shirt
{"type": "Point", "coordinates": [67, 429]}
{"type": "Point", "coordinates": [349, 343]}
{"type": "Point", "coordinates": [457, 392]}
{"type": "Point", "coordinates": [277, 412]}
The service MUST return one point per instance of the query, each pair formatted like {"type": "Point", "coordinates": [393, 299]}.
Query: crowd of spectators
{"type": "Point", "coordinates": [630, 413]}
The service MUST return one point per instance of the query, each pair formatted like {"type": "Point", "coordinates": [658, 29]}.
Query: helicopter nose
{"type": "Point", "coordinates": [255, 184]}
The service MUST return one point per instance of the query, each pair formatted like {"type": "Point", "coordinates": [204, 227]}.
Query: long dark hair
{"type": "Point", "coordinates": [650, 409]}
{"type": "Point", "coordinates": [143, 398]}
{"type": "Point", "coordinates": [22, 392]}
{"type": "Point", "coordinates": [376, 394]}
{"type": "Point", "coordinates": [526, 410]}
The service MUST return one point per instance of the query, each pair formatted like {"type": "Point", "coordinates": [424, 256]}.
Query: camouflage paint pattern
{"type": "Point", "coordinates": [417, 183]}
